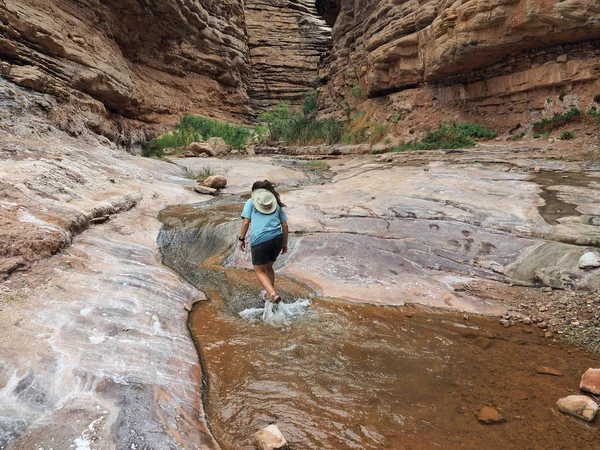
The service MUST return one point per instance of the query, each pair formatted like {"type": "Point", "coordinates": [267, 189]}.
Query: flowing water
{"type": "Point", "coordinates": [347, 376]}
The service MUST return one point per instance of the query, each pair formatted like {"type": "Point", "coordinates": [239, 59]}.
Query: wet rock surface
{"type": "Point", "coordinates": [95, 351]}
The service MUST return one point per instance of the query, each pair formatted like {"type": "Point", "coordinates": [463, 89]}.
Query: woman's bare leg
{"type": "Point", "coordinates": [271, 273]}
{"type": "Point", "coordinates": [264, 278]}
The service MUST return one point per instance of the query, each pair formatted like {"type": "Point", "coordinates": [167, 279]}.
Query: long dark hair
{"type": "Point", "coordinates": [266, 184]}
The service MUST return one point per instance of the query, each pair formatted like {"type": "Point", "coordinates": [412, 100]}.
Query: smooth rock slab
{"type": "Point", "coordinates": [579, 406]}
{"type": "Point", "coordinates": [270, 438]}
{"type": "Point", "coordinates": [590, 381]}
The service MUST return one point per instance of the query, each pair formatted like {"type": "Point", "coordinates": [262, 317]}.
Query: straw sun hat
{"type": "Point", "coordinates": [264, 201]}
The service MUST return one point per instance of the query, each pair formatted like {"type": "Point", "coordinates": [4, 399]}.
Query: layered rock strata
{"type": "Point", "coordinates": [286, 38]}
{"type": "Point", "coordinates": [145, 61]}
{"type": "Point", "coordinates": [509, 56]}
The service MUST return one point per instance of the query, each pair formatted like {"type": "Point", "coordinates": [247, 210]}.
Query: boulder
{"type": "Point", "coordinates": [589, 260]}
{"type": "Point", "coordinates": [205, 190]}
{"type": "Point", "coordinates": [216, 182]}
{"type": "Point", "coordinates": [590, 381]}
{"type": "Point", "coordinates": [198, 148]}
{"type": "Point", "coordinates": [219, 146]}
{"type": "Point", "coordinates": [270, 438]}
{"type": "Point", "coordinates": [579, 406]}
{"type": "Point", "coordinates": [488, 416]}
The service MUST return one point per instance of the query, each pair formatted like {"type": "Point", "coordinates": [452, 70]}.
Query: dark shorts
{"type": "Point", "coordinates": [266, 252]}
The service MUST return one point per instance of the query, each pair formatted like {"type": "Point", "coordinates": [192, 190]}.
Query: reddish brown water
{"type": "Point", "coordinates": [363, 377]}
{"type": "Point", "coordinates": [347, 376]}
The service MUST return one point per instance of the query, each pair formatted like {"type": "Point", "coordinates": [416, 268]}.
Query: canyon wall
{"type": "Point", "coordinates": [286, 39]}
{"type": "Point", "coordinates": [142, 61]}
{"type": "Point", "coordinates": [503, 57]}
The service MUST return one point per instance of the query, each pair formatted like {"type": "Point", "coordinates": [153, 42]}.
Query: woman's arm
{"type": "Point", "coordinates": [285, 229]}
{"type": "Point", "coordinates": [243, 231]}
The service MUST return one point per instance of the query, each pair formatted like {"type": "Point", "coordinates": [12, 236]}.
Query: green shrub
{"type": "Point", "coordinates": [517, 136]}
{"type": "Point", "coordinates": [450, 135]}
{"type": "Point", "coordinates": [356, 92]}
{"type": "Point", "coordinates": [566, 136]}
{"type": "Point", "coordinates": [290, 127]}
{"type": "Point", "coordinates": [535, 135]}
{"type": "Point", "coordinates": [347, 109]}
{"type": "Point", "coordinates": [261, 132]}
{"type": "Point", "coordinates": [151, 149]}
{"type": "Point", "coordinates": [234, 135]}
{"type": "Point", "coordinates": [309, 107]}
{"type": "Point", "coordinates": [557, 121]}
{"type": "Point", "coordinates": [396, 117]}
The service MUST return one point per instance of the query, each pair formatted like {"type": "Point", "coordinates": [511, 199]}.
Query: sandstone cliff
{"type": "Point", "coordinates": [492, 57]}
{"type": "Point", "coordinates": [145, 61]}
{"type": "Point", "coordinates": [286, 40]}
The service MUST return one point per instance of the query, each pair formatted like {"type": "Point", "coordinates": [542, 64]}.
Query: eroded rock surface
{"type": "Point", "coordinates": [145, 61]}
{"type": "Point", "coordinates": [286, 40]}
{"type": "Point", "coordinates": [486, 57]}
{"type": "Point", "coordinates": [95, 351]}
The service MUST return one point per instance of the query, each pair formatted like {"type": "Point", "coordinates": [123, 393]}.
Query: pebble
{"type": "Point", "coordinates": [270, 438]}
{"type": "Point", "coordinates": [488, 416]}
{"type": "Point", "coordinates": [543, 309]}
{"type": "Point", "coordinates": [579, 406]}
{"type": "Point", "coordinates": [542, 325]}
{"type": "Point", "coordinates": [590, 381]}
{"type": "Point", "coordinates": [546, 370]}
{"type": "Point", "coordinates": [505, 323]}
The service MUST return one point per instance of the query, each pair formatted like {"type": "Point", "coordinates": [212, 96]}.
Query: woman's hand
{"type": "Point", "coordinates": [284, 249]}
{"type": "Point", "coordinates": [243, 246]}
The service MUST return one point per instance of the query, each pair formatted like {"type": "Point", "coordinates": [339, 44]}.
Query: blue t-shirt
{"type": "Point", "coordinates": [264, 227]}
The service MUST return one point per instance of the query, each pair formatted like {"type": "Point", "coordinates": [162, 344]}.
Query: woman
{"type": "Point", "coordinates": [269, 234]}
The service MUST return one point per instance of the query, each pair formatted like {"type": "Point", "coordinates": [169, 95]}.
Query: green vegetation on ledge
{"type": "Point", "coordinates": [196, 128]}
{"type": "Point", "coordinates": [450, 135]}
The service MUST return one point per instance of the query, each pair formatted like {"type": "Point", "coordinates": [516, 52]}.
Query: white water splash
{"type": "Point", "coordinates": [277, 314]}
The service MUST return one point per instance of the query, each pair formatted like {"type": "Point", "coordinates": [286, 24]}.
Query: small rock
{"type": "Point", "coordinates": [543, 309]}
{"type": "Point", "coordinates": [198, 148]}
{"type": "Point", "coordinates": [205, 190]}
{"type": "Point", "coordinates": [537, 169]}
{"type": "Point", "coordinates": [579, 406]}
{"type": "Point", "coordinates": [488, 416]}
{"type": "Point", "coordinates": [549, 334]}
{"type": "Point", "coordinates": [589, 260]}
{"type": "Point", "coordinates": [527, 321]}
{"type": "Point", "coordinates": [545, 370]}
{"type": "Point", "coordinates": [270, 438]}
{"type": "Point", "coordinates": [590, 381]}
{"type": "Point", "coordinates": [542, 325]}
{"type": "Point", "coordinates": [216, 182]}
{"type": "Point", "coordinates": [219, 146]}
{"type": "Point", "coordinates": [546, 289]}
{"type": "Point", "coordinates": [505, 323]}
{"type": "Point", "coordinates": [562, 58]}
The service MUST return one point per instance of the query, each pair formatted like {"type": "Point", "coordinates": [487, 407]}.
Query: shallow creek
{"type": "Point", "coordinates": [348, 376]}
